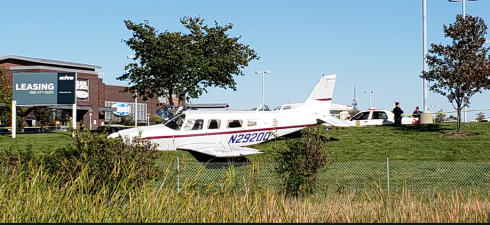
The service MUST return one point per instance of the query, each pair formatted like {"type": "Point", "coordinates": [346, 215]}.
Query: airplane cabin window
{"type": "Point", "coordinates": [234, 123]}
{"type": "Point", "coordinates": [176, 123]}
{"type": "Point", "coordinates": [194, 124]}
{"type": "Point", "coordinates": [214, 124]}
{"type": "Point", "coordinates": [251, 123]}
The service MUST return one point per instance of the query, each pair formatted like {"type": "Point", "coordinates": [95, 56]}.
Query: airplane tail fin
{"type": "Point", "coordinates": [320, 98]}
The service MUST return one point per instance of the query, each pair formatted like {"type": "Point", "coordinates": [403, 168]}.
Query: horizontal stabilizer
{"type": "Point", "coordinates": [332, 121]}
{"type": "Point", "coordinates": [218, 150]}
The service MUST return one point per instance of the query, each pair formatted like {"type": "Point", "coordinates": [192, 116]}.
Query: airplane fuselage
{"type": "Point", "coordinates": [238, 128]}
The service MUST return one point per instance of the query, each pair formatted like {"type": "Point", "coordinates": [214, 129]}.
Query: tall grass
{"type": "Point", "coordinates": [29, 194]}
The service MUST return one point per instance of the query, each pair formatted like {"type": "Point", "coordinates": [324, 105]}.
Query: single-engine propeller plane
{"type": "Point", "coordinates": [224, 133]}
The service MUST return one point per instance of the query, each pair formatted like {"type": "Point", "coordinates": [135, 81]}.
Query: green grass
{"type": "Point", "coordinates": [407, 143]}
{"type": "Point", "coordinates": [41, 142]}
{"type": "Point", "coordinates": [374, 143]}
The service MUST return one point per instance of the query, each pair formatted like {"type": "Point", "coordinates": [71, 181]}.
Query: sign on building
{"type": "Point", "coordinates": [82, 90]}
{"type": "Point", "coordinates": [44, 88]}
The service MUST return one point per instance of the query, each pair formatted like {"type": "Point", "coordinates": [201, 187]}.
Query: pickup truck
{"type": "Point", "coordinates": [378, 117]}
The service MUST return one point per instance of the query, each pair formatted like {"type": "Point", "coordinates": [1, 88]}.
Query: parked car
{"type": "Point", "coordinates": [378, 117]}
{"type": "Point", "coordinates": [109, 129]}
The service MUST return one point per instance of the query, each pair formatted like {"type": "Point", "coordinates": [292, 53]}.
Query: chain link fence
{"type": "Point", "coordinates": [342, 177]}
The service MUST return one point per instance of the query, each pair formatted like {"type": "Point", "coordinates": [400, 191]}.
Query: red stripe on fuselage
{"type": "Point", "coordinates": [324, 99]}
{"type": "Point", "coordinates": [228, 132]}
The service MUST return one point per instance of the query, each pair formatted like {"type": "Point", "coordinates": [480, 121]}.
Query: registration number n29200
{"type": "Point", "coordinates": [253, 137]}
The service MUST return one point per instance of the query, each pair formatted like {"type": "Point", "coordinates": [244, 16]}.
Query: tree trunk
{"type": "Point", "coordinates": [459, 119]}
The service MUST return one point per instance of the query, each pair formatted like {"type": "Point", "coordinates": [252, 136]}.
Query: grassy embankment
{"type": "Point", "coordinates": [407, 143]}
{"type": "Point", "coordinates": [30, 195]}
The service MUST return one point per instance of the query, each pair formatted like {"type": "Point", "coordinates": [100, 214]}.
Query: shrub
{"type": "Point", "coordinates": [299, 161]}
{"type": "Point", "coordinates": [107, 161]}
{"type": "Point", "coordinates": [155, 119]}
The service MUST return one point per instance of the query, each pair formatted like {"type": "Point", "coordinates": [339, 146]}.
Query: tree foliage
{"type": "Point", "coordinates": [5, 97]}
{"type": "Point", "coordinates": [440, 117]}
{"type": "Point", "coordinates": [462, 69]}
{"type": "Point", "coordinates": [167, 63]}
{"type": "Point", "coordinates": [480, 116]}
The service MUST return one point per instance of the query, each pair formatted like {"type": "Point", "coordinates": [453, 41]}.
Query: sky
{"type": "Point", "coordinates": [370, 45]}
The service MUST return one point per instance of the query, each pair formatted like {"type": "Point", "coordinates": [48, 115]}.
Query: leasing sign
{"type": "Point", "coordinates": [44, 88]}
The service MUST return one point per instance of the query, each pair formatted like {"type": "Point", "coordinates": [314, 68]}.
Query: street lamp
{"type": "Point", "coordinates": [392, 102]}
{"type": "Point", "coordinates": [424, 23]}
{"type": "Point", "coordinates": [90, 114]}
{"type": "Point", "coordinates": [135, 99]}
{"type": "Point", "coordinates": [369, 96]}
{"type": "Point", "coordinates": [262, 72]}
{"type": "Point", "coordinates": [148, 118]}
{"type": "Point", "coordinates": [464, 6]}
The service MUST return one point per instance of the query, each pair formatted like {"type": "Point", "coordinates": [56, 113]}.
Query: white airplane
{"type": "Point", "coordinates": [224, 133]}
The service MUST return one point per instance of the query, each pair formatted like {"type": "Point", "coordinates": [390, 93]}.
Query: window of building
{"type": "Point", "coordinates": [142, 112]}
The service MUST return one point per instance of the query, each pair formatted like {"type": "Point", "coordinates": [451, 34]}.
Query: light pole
{"type": "Point", "coordinates": [148, 118]}
{"type": "Point", "coordinates": [262, 72]}
{"type": "Point", "coordinates": [135, 99]}
{"type": "Point", "coordinates": [464, 6]}
{"type": "Point", "coordinates": [90, 120]}
{"type": "Point", "coordinates": [424, 22]}
{"type": "Point", "coordinates": [392, 102]}
{"type": "Point", "coordinates": [369, 96]}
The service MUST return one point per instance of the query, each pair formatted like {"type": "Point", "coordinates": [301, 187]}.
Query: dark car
{"type": "Point", "coordinates": [110, 129]}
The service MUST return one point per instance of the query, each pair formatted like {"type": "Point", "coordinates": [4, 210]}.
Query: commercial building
{"type": "Point", "coordinates": [94, 98]}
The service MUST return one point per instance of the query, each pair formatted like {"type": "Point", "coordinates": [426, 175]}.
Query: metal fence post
{"type": "Point", "coordinates": [388, 174]}
{"type": "Point", "coordinates": [178, 171]}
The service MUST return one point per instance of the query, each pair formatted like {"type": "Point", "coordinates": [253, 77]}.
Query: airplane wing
{"type": "Point", "coordinates": [218, 150]}
{"type": "Point", "coordinates": [332, 121]}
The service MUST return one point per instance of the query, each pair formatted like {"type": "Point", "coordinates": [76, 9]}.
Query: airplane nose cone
{"type": "Point", "coordinates": [128, 133]}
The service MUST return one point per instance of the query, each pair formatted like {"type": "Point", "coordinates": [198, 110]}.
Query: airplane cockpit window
{"type": "Point", "coordinates": [251, 123]}
{"type": "Point", "coordinates": [361, 116]}
{"type": "Point", "coordinates": [235, 123]}
{"type": "Point", "coordinates": [176, 122]}
{"type": "Point", "coordinates": [214, 124]}
{"type": "Point", "coordinates": [194, 124]}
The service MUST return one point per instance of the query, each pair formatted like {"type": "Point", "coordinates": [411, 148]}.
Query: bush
{"type": "Point", "coordinates": [155, 119]}
{"type": "Point", "coordinates": [299, 161]}
{"type": "Point", "coordinates": [107, 161]}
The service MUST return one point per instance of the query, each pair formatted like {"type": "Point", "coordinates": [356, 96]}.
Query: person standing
{"type": "Point", "coordinates": [398, 114]}
{"type": "Point", "coordinates": [416, 113]}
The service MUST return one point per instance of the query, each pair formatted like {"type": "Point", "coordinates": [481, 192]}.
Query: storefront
{"type": "Point", "coordinates": [94, 99]}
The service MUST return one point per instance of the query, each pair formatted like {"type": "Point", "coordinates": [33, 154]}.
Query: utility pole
{"type": "Point", "coordinates": [354, 100]}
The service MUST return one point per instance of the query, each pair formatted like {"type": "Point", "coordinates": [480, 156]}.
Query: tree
{"type": "Point", "coordinates": [300, 160]}
{"type": "Point", "coordinates": [353, 112]}
{"type": "Point", "coordinates": [5, 97]}
{"type": "Point", "coordinates": [265, 108]}
{"type": "Point", "coordinates": [440, 117]}
{"type": "Point", "coordinates": [175, 62]}
{"type": "Point", "coordinates": [42, 114]}
{"type": "Point", "coordinates": [462, 69]}
{"type": "Point", "coordinates": [480, 116]}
